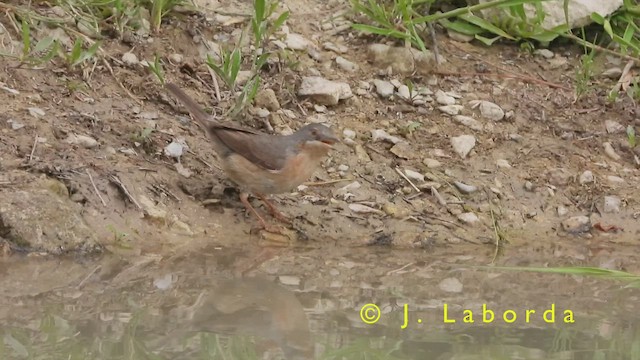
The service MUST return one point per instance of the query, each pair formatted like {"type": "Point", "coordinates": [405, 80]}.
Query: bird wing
{"type": "Point", "coordinates": [267, 151]}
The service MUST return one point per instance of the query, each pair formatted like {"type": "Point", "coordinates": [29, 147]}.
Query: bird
{"type": "Point", "coordinates": [263, 164]}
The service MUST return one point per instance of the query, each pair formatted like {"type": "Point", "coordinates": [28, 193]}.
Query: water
{"type": "Point", "coordinates": [255, 303]}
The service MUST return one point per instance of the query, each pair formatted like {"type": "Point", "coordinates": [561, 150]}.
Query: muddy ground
{"type": "Point", "coordinates": [60, 196]}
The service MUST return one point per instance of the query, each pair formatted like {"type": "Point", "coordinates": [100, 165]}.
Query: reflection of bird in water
{"type": "Point", "coordinates": [255, 307]}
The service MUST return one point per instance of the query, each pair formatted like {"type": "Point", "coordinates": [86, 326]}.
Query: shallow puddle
{"type": "Point", "coordinates": [257, 303]}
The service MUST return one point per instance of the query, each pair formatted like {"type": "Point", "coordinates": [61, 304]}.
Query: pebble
{"type": "Point", "coordinates": [576, 224]}
{"type": "Point", "coordinates": [176, 58]}
{"type": "Point", "coordinates": [343, 167]}
{"type": "Point", "coordinates": [36, 112]}
{"type": "Point", "coordinates": [468, 218]}
{"type": "Point", "coordinates": [443, 98]}
{"type": "Point", "coordinates": [151, 210]}
{"type": "Point", "coordinates": [451, 109]}
{"type": "Point", "coordinates": [562, 211]}
{"type": "Point", "coordinates": [380, 134]}
{"type": "Point", "coordinates": [469, 122]}
{"type": "Point", "coordinates": [586, 177]}
{"type": "Point", "coordinates": [491, 111]}
{"type": "Point", "coordinates": [364, 209]}
{"type": "Point", "coordinates": [610, 152]}
{"type": "Point", "coordinates": [502, 163]}
{"type": "Point", "coordinates": [262, 112]}
{"type": "Point", "coordinates": [383, 88]}
{"type": "Point", "coordinates": [403, 150]}
{"type": "Point", "coordinates": [451, 285]}
{"type": "Point", "coordinates": [463, 144]}
{"type": "Point", "coordinates": [346, 65]}
{"type": "Point", "coordinates": [85, 141]}
{"type": "Point", "coordinates": [296, 42]}
{"type": "Point", "coordinates": [267, 98]}
{"type": "Point", "coordinates": [615, 180]}
{"type": "Point", "coordinates": [15, 125]}
{"type": "Point", "coordinates": [320, 108]}
{"type": "Point", "coordinates": [289, 280]}
{"type": "Point", "coordinates": [404, 93]}
{"type": "Point", "coordinates": [130, 59]}
{"type": "Point", "coordinates": [431, 163]}
{"type": "Point", "coordinates": [465, 188]}
{"type": "Point", "coordinates": [614, 127]}
{"type": "Point", "coordinates": [528, 185]}
{"type": "Point", "coordinates": [413, 175]}
{"type": "Point", "coordinates": [323, 91]}
{"type": "Point", "coordinates": [175, 149]}
{"type": "Point", "coordinates": [612, 204]}
{"type": "Point", "coordinates": [545, 53]}
{"type": "Point", "coordinates": [349, 134]}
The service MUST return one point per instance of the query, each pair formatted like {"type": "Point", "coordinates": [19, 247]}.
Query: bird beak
{"type": "Point", "coordinates": [330, 140]}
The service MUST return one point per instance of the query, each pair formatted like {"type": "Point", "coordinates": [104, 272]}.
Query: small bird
{"type": "Point", "coordinates": [261, 163]}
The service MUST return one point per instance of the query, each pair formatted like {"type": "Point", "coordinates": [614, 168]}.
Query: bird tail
{"type": "Point", "coordinates": [193, 108]}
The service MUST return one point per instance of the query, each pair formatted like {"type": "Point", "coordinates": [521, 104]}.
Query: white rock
{"type": "Point", "coordinates": [346, 65]}
{"type": "Point", "coordinates": [431, 163]}
{"type": "Point", "coordinates": [15, 125]}
{"type": "Point", "coordinates": [443, 98]}
{"type": "Point", "coordinates": [469, 122]}
{"type": "Point", "coordinates": [349, 134]}
{"type": "Point", "coordinates": [175, 149]}
{"type": "Point", "coordinates": [545, 53]}
{"type": "Point", "coordinates": [85, 141]}
{"type": "Point", "coordinates": [343, 167]}
{"type": "Point", "coordinates": [610, 152]}
{"type": "Point", "coordinates": [502, 163]}
{"type": "Point", "coordinates": [488, 110]}
{"type": "Point", "coordinates": [364, 209]}
{"type": "Point", "coordinates": [463, 144]}
{"type": "Point", "coordinates": [383, 88]}
{"type": "Point", "coordinates": [586, 177]}
{"type": "Point", "coordinates": [615, 180]}
{"type": "Point", "coordinates": [296, 42]}
{"type": "Point", "coordinates": [380, 134]}
{"type": "Point", "coordinates": [452, 285]}
{"type": "Point", "coordinates": [465, 188]}
{"type": "Point", "coordinates": [35, 112]}
{"type": "Point", "coordinates": [612, 204]}
{"type": "Point", "coordinates": [468, 218]}
{"type": "Point", "coordinates": [562, 211]}
{"type": "Point", "coordinates": [176, 58]}
{"type": "Point", "coordinates": [614, 127]}
{"type": "Point", "coordinates": [451, 109]}
{"type": "Point", "coordinates": [413, 175]}
{"type": "Point", "coordinates": [323, 91]}
{"type": "Point", "coordinates": [289, 280]}
{"type": "Point", "coordinates": [404, 93]}
{"type": "Point", "coordinates": [577, 224]}
{"type": "Point", "coordinates": [130, 59]}
{"type": "Point", "coordinates": [164, 282]}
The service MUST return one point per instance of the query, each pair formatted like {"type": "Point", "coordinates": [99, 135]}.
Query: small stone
{"type": "Point", "coordinates": [379, 134]}
{"type": "Point", "coordinates": [320, 108]}
{"type": "Point", "coordinates": [289, 280]}
{"type": "Point", "coordinates": [175, 149]}
{"type": "Point", "coordinates": [431, 163]}
{"type": "Point", "coordinates": [577, 224]}
{"type": "Point", "coordinates": [615, 180]}
{"type": "Point", "coordinates": [502, 163]}
{"type": "Point", "coordinates": [545, 53]}
{"type": "Point", "coordinates": [15, 125]}
{"type": "Point", "coordinates": [562, 211]}
{"type": "Point", "coordinates": [403, 150]}
{"type": "Point", "coordinates": [267, 98]}
{"type": "Point", "coordinates": [85, 141]}
{"type": "Point", "coordinates": [349, 134]}
{"type": "Point", "coordinates": [463, 144]}
{"type": "Point", "coordinates": [176, 58]}
{"type": "Point", "coordinates": [383, 88]}
{"type": "Point", "coordinates": [610, 152]}
{"type": "Point", "coordinates": [346, 65]}
{"type": "Point", "coordinates": [451, 285]}
{"type": "Point", "coordinates": [469, 122]}
{"type": "Point", "coordinates": [586, 177]}
{"type": "Point", "coordinates": [612, 204]}
{"type": "Point", "coordinates": [364, 209]}
{"type": "Point", "coordinates": [413, 175]}
{"type": "Point", "coordinates": [464, 188]}
{"type": "Point", "coordinates": [183, 171]}
{"type": "Point", "coordinates": [164, 282]}
{"type": "Point", "coordinates": [614, 127]}
{"type": "Point", "coordinates": [323, 91]}
{"type": "Point", "coordinates": [491, 111]}
{"type": "Point", "coordinates": [528, 186]}
{"type": "Point", "coordinates": [262, 113]}
{"type": "Point", "coordinates": [130, 59]}
{"type": "Point", "coordinates": [469, 218]}
{"type": "Point", "coordinates": [404, 93]}
{"type": "Point", "coordinates": [343, 167]}
{"type": "Point", "coordinates": [151, 210]}
{"type": "Point", "coordinates": [36, 112]}
{"type": "Point", "coordinates": [443, 98]}
{"type": "Point", "coordinates": [559, 177]}
{"type": "Point", "coordinates": [451, 109]}
{"type": "Point", "coordinates": [296, 42]}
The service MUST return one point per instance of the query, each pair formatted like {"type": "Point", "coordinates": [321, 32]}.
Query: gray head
{"type": "Point", "coordinates": [317, 132]}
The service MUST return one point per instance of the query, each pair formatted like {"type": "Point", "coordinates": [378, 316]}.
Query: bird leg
{"type": "Point", "coordinates": [272, 209]}
{"type": "Point", "coordinates": [244, 197]}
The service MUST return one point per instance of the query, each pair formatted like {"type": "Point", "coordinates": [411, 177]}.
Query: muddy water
{"type": "Point", "coordinates": [297, 303]}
